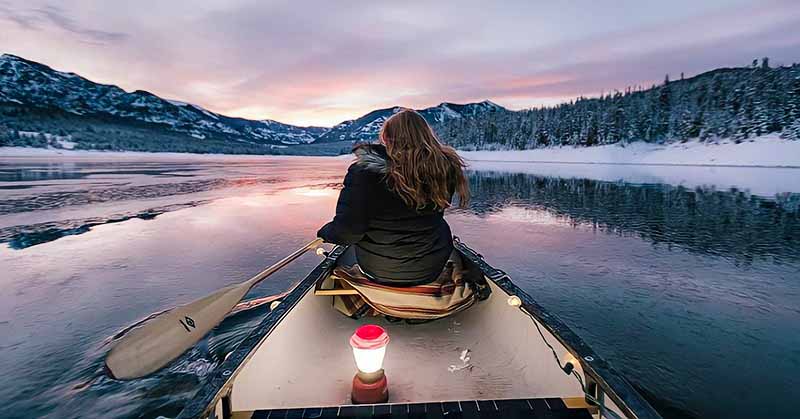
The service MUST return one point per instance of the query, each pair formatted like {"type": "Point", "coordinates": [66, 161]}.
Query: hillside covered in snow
{"type": "Point", "coordinates": [367, 127]}
{"type": "Point", "coordinates": [36, 98]}
{"type": "Point", "coordinates": [43, 107]}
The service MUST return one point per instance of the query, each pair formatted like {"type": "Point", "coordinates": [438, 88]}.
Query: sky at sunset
{"type": "Point", "coordinates": [322, 62]}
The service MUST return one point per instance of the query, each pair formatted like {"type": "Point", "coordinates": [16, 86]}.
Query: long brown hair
{"type": "Point", "coordinates": [422, 171]}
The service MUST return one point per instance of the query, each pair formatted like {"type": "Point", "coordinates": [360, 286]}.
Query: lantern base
{"type": "Point", "coordinates": [370, 388]}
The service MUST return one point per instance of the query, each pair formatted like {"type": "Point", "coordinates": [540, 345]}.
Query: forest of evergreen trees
{"type": "Point", "coordinates": [736, 103]}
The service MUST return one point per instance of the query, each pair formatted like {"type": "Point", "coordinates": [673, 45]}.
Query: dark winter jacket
{"type": "Point", "coordinates": [395, 244]}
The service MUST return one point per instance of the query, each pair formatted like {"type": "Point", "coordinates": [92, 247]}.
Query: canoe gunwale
{"type": "Point", "coordinates": [612, 384]}
{"type": "Point", "coordinates": [607, 378]}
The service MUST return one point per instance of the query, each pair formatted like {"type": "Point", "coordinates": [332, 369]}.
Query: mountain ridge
{"type": "Point", "coordinates": [367, 127]}
{"type": "Point", "coordinates": [37, 85]}
{"type": "Point", "coordinates": [31, 86]}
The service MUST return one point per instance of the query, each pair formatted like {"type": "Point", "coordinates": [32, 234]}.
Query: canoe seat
{"type": "Point", "coordinates": [329, 286]}
{"type": "Point", "coordinates": [549, 408]}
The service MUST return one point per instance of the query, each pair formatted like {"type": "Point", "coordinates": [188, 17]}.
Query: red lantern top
{"type": "Point", "coordinates": [369, 336]}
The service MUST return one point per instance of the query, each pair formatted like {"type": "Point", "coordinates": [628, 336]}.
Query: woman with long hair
{"type": "Point", "coordinates": [391, 212]}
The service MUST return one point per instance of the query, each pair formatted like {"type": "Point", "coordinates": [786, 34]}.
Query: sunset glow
{"type": "Point", "coordinates": [319, 63]}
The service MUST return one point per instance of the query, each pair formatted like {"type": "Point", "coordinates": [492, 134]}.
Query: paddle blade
{"type": "Point", "coordinates": [157, 342]}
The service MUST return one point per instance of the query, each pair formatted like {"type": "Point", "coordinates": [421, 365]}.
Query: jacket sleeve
{"type": "Point", "coordinates": [352, 210]}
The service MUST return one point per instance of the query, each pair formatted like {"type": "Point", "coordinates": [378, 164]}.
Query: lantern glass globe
{"type": "Point", "coordinates": [369, 360]}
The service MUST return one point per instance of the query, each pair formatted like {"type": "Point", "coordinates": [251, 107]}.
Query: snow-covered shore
{"type": "Point", "coordinates": [57, 153]}
{"type": "Point", "coordinates": [765, 166]}
{"type": "Point", "coordinates": [765, 151]}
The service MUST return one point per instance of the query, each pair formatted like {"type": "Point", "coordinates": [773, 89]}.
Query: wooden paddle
{"type": "Point", "coordinates": [161, 339]}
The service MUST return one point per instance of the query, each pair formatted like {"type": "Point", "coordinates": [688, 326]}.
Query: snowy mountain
{"type": "Point", "coordinates": [367, 127]}
{"type": "Point", "coordinates": [33, 86]}
{"type": "Point", "coordinates": [42, 104]}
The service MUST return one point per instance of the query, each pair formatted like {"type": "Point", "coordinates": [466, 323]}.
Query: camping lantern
{"type": "Point", "coordinates": [369, 347]}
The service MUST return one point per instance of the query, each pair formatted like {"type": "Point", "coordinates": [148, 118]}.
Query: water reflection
{"type": "Point", "coordinates": [731, 224]}
{"type": "Point", "coordinates": [66, 170]}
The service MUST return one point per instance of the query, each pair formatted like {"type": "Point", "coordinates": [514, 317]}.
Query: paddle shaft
{"type": "Point", "coordinates": [281, 263]}
{"type": "Point", "coordinates": [159, 340]}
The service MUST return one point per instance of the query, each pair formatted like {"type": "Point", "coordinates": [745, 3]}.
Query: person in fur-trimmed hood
{"type": "Point", "coordinates": [391, 209]}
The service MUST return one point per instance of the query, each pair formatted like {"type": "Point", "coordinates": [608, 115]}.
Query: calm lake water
{"type": "Point", "coordinates": [692, 293]}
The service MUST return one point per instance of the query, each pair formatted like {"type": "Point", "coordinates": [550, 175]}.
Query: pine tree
{"type": "Point", "coordinates": [792, 132]}
{"type": "Point", "coordinates": [792, 120]}
{"type": "Point", "coordinates": [664, 112]}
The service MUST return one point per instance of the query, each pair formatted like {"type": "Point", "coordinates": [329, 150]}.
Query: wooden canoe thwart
{"type": "Point", "coordinates": [495, 359]}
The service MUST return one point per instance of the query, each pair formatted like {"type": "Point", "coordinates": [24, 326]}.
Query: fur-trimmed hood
{"type": "Point", "coordinates": [372, 157]}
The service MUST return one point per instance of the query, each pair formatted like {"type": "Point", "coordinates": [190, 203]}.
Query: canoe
{"type": "Point", "coordinates": [503, 357]}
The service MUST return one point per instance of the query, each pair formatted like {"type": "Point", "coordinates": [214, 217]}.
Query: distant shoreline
{"type": "Point", "coordinates": [752, 166]}
{"type": "Point", "coordinates": [769, 151]}
{"type": "Point", "coordinates": [49, 153]}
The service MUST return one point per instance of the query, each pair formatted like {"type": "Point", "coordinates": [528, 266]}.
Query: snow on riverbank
{"type": "Point", "coordinates": [768, 150]}
{"type": "Point", "coordinates": [61, 154]}
{"type": "Point", "coordinates": [766, 166]}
